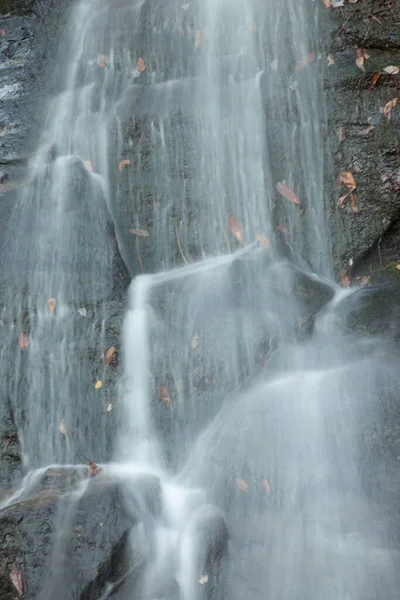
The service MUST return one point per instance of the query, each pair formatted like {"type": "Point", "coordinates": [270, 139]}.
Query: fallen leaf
{"type": "Point", "coordinates": [109, 407]}
{"type": "Point", "coordinates": [365, 279]}
{"type": "Point", "coordinates": [348, 180]}
{"type": "Point", "coordinates": [362, 56]}
{"type": "Point", "coordinates": [234, 228]}
{"type": "Point", "coordinates": [398, 267]}
{"type": "Point", "coordinates": [2, 33]}
{"type": "Point", "coordinates": [98, 384]}
{"type": "Point", "coordinates": [94, 469]}
{"type": "Point", "coordinates": [343, 198]}
{"type": "Point", "coordinates": [195, 341]}
{"type": "Point", "coordinates": [287, 193]}
{"type": "Point", "coordinates": [102, 61]}
{"type": "Point", "coordinates": [262, 240]}
{"type": "Point", "coordinates": [327, 3]}
{"type": "Point", "coordinates": [141, 232]}
{"type": "Point", "coordinates": [387, 109]}
{"type": "Point", "coordinates": [16, 579]}
{"type": "Point", "coordinates": [109, 355]}
{"type": "Point", "coordinates": [203, 579]}
{"type": "Point", "coordinates": [52, 303]}
{"type": "Point", "coordinates": [123, 164]}
{"type": "Point", "coordinates": [392, 70]}
{"type": "Point", "coordinates": [242, 485]}
{"type": "Point", "coordinates": [62, 427]}
{"type": "Point", "coordinates": [331, 60]}
{"type": "Point", "coordinates": [164, 395]}
{"type": "Point", "coordinates": [140, 65]}
{"type": "Point", "coordinates": [365, 131]}
{"type": "Point", "coordinates": [341, 134]}
{"type": "Point", "coordinates": [374, 80]}
{"type": "Point", "coordinates": [345, 280]}
{"type": "Point", "coordinates": [89, 165]}
{"type": "Point", "coordinates": [23, 341]}
{"type": "Point", "coordinates": [266, 485]}
{"type": "Point", "coordinates": [307, 60]}
{"type": "Point", "coordinates": [197, 39]}
{"type": "Point", "coordinates": [282, 230]}
{"type": "Point", "coordinates": [353, 199]}
{"type": "Point", "coordinates": [82, 312]}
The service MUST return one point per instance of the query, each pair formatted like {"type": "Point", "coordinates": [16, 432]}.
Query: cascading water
{"type": "Point", "coordinates": [210, 111]}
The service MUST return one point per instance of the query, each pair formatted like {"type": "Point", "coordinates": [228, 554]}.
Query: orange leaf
{"type": "Point", "coordinates": [52, 303]}
{"type": "Point", "coordinates": [267, 486]}
{"type": "Point", "coordinates": [111, 352]}
{"type": "Point", "coordinates": [287, 193]}
{"type": "Point", "coordinates": [89, 165]}
{"type": "Point", "coordinates": [307, 60]}
{"type": "Point", "coordinates": [23, 341]}
{"type": "Point", "coordinates": [197, 39]}
{"type": "Point", "coordinates": [348, 180]}
{"type": "Point", "coordinates": [123, 164]}
{"type": "Point", "coordinates": [353, 199]}
{"type": "Point", "coordinates": [141, 232]}
{"type": "Point", "coordinates": [140, 65]}
{"type": "Point", "coordinates": [164, 395]}
{"type": "Point", "coordinates": [345, 280]}
{"type": "Point", "coordinates": [234, 228]}
{"type": "Point", "coordinates": [242, 485]}
{"type": "Point", "coordinates": [262, 240]}
{"type": "Point", "coordinates": [374, 80]}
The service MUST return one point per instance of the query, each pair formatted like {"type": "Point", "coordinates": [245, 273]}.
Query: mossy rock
{"type": "Point", "coordinates": [390, 272]}
{"type": "Point", "coordinates": [16, 7]}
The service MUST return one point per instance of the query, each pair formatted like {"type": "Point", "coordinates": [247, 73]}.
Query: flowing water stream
{"type": "Point", "coordinates": [239, 389]}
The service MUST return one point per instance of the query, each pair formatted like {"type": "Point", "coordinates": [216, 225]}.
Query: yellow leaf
{"type": "Point", "coordinates": [98, 384]}
{"type": "Point", "coordinates": [140, 65]}
{"type": "Point", "coordinates": [242, 485]}
{"type": "Point", "coordinates": [52, 303]}
{"type": "Point", "coordinates": [197, 39]}
{"type": "Point", "coordinates": [262, 240]}
{"type": "Point", "coordinates": [195, 341]}
{"type": "Point", "coordinates": [109, 355]}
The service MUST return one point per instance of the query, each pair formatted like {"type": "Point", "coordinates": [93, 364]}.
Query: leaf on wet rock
{"type": "Point", "coordinates": [242, 485]}
{"type": "Point", "coordinates": [164, 395]}
{"type": "Point", "coordinates": [141, 67]}
{"type": "Point", "coordinates": [398, 267]}
{"type": "Point", "coordinates": [23, 341]}
{"type": "Point", "coordinates": [52, 303]}
{"type": "Point", "coordinates": [16, 579]}
{"type": "Point", "coordinates": [347, 179]}
{"type": "Point", "coordinates": [287, 193]}
{"type": "Point", "coordinates": [327, 3]}
{"type": "Point", "coordinates": [94, 469]}
{"type": "Point", "coordinates": [389, 106]}
{"type": "Point", "coordinates": [345, 281]}
{"type": "Point", "coordinates": [195, 341]}
{"type": "Point", "coordinates": [262, 240]}
{"type": "Point", "coordinates": [341, 133]}
{"type": "Point", "coordinates": [391, 70]}
{"type": "Point", "coordinates": [111, 352]}
{"type": "Point", "coordinates": [89, 165]}
{"type": "Point", "coordinates": [354, 206]}
{"type": "Point", "coordinates": [140, 232]}
{"type": "Point", "coordinates": [235, 229]}
{"type": "Point", "coordinates": [82, 312]}
{"type": "Point", "coordinates": [98, 384]}
{"type": "Point", "coordinates": [62, 427]}
{"type": "Point", "coordinates": [203, 579]}
{"type": "Point", "coordinates": [102, 61]}
{"type": "Point", "coordinates": [266, 486]}
{"type": "Point", "coordinates": [331, 60]}
{"type": "Point", "coordinates": [123, 164]}
{"type": "Point", "coordinates": [306, 60]}
{"type": "Point", "coordinates": [361, 57]}
{"type": "Point", "coordinates": [197, 39]}
{"type": "Point", "coordinates": [109, 407]}
{"type": "Point", "coordinates": [2, 32]}
{"type": "Point", "coordinates": [374, 80]}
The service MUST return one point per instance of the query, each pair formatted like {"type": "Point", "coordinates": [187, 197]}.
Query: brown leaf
{"type": "Point", "coordinates": [287, 193]}
{"type": "Point", "coordinates": [343, 198]}
{"type": "Point", "coordinates": [307, 60]}
{"type": "Point", "coordinates": [140, 65]}
{"type": "Point", "coordinates": [242, 485]}
{"type": "Point", "coordinates": [345, 282]}
{"type": "Point", "coordinates": [374, 80]}
{"type": "Point", "coordinates": [123, 164]}
{"type": "Point", "coordinates": [111, 352]}
{"type": "Point", "coordinates": [195, 341]}
{"type": "Point", "coordinates": [141, 232]}
{"type": "Point", "coordinates": [262, 240]}
{"type": "Point", "coordinates": [387, 109]}
{"type": "Point", "coordinates": [267, 486]}
{"type": "Point", "coordinates": [197, 39]}
{"type": "Point", "coordinates": [353, 199]}
{"type": "Point", "coordinates": [89, 165]}
{"type": "Point", "coordinates": [94, 469]}
{"type": "Point", "coordinates": [234, 228]}
{"type": "Point", "coordinates": [16, 579]}
{"type": "Point", "coordinates": [164, 395]}
{"type": "Point", "coordinates": [23, 341]}
{"type": "Point", "coordinates": [347, 179]}
{"type": "Point", "coordinates": [52, 303]}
